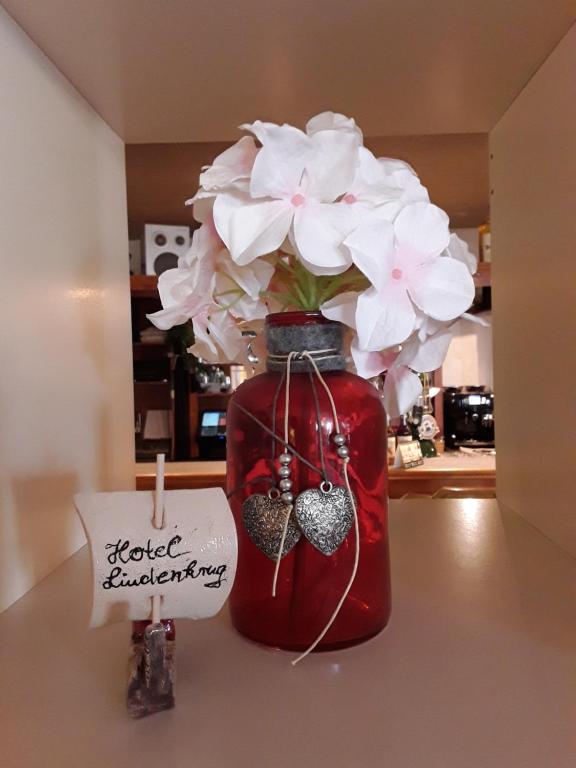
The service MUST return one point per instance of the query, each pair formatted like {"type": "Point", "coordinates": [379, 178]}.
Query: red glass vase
{"type": "Point", "coordinates": [310, 583]}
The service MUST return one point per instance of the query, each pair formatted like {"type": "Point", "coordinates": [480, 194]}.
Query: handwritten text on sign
{"type": "Point", "coordinates": [190, 561]}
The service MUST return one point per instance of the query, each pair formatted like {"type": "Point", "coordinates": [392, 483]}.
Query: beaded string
{"type": "Point", "coordinates": [284, 470]}
{"type": "Point", "coordinates": [345, 460]}
{"type": "Point", "coordinates": [274, 409]}
{"type": "Point", "coordinates": [287, 496]}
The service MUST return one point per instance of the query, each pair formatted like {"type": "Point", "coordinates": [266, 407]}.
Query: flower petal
{"type": "Point", "coordinates": [217, 337]}
{"type": "Point", "coordinates": [475, 320]}
{"type": "Point", "coordinates": [384, 318]}
{"type": "Point", "coordinates": [204, 345]}
{"type": "Point", "coordinates": [319, 233]}
{"type": "Point", "coordinates": [279, 165]}
{"type": "Point", "coordinates": [428, 355]}
{"type": "Point", "coordinates": [206, 242]}
{"type": "Point", "coordinates": [421, 231]}
{"type": "Point", "coordinates": [203, 203]}
{"type": "Point", "coordinates": [227, 335]}
{"type": "Point", "coordinates": [251, 228]}
{"type": "Point", "coordinates": [184, 293]}
{"type": "Point", "coordinates": [252, 279]}
{"type": "Point", "coordinates": [371, 184]}
{"type": "Point", "coordinates": [231, 297]}
{"type": "Point", "coordinates": [427, 325]}
{"type": "Point", "coordinates": [442, 288]}
{"type": "Point", "coordinates": [332, 121]}
{"type": "Point", "coordinates": [402, 388]}
{"type": "Point", "coordinates": [372, 249]}
{"type": "Point", "coordinates": [174, 285]}
{"type": "Point", "coordinates": [331, 169]}
{"type": "Point", "coordinates": [367, 364]}
{"type": "Point", "coordinates": [458, 249]}
{"type": "Point", "coordinates": [169, 317]}
{"type": "Point", "coordinates": [342, 308]}
{"type": "Point", "coordinates": [403, 175]}
{"type": "Point", "coordinates": [233, 164]}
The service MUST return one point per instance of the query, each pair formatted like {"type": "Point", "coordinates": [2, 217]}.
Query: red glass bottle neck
{"type": "Point", "coordinates": [296, 317]}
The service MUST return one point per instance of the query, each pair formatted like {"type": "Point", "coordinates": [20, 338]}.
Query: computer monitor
{"type": "Point", "coordinates": [212, 435]}
{"type": "Point", "coordinates": [213, 423]}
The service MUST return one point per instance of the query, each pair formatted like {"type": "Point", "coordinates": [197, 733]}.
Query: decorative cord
{"type": "Point", "coordinates": [274, 409]}
{"type": "Point", "coordinates": [289, 506]}
{"type": "Point", "coordinates": [318, 422]}
{"type": "Point", "coordinates": [252, 481]}
{"type": "Point", "coordinates": [319, 354]}
{"type": "Point", "coordinates": [280, 549]}
{"type": "Point", "coordinates": [356, 526]}
{"type": "Point", "coordinates": [278, 438]}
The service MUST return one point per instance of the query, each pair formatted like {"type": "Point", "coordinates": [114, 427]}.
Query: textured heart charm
{"type": "Point", "coordinates": [264, 520]}
{"type": "Point", "coordinates": [325, 517]}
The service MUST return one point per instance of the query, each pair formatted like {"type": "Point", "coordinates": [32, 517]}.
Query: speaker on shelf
{"type": "Point", "coordinates": [164, 245]}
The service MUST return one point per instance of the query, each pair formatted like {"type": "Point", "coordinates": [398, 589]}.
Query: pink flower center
{"type": "Point", "coordinates": [397, 273]}
{"type": "Point", "coordinates": [349, 198]}
{"type": "Point", "coordinates": [298, 200]}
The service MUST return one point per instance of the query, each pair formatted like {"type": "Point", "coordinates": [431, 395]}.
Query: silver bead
{"type": "Point", "coordinates": [339, 439]}
{"type": "Point", "coordinates": [343, 451]}
{"type": "Point", "coordinates": [285, 458]}
{"type": "Point", "coordinates": [287, 497]}
{"type": "Point", "coordinates": [284, 472]}
{"type": "Point", "coordinates": [285, 484]}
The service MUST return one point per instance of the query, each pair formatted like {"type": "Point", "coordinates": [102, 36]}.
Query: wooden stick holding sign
{"type": "Point", "coordinates": [158, 523]}
{"type": "Point", "coordinates": [158, 555]}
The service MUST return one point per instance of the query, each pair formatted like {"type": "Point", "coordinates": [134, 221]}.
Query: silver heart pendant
{"type": "Point", "coordinates": [264, 519]}
{"type": "Point", "coordinates": [325, 516]}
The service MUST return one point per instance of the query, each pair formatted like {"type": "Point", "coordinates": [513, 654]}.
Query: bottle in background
{"type": "Point", "coordinates": [391, 432]}
{"type": "Point", "coordinates": [403, 431]}
{"type": "Point", "coordinates": [484, 244]}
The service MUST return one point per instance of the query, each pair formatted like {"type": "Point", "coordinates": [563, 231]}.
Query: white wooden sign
{"type": "Point", "coordinates": [409, 455]}
{"type": "Point", "coordinates": [190, 562]}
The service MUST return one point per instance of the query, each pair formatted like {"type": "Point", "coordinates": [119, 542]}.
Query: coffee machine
{"type": "Point", "coordinates": [468, 417]}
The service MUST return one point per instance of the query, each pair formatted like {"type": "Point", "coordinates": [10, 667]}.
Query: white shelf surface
{"type": "Point", "coordinates": [476, 669]}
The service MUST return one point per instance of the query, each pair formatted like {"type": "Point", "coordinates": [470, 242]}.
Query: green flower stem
{"type": "Point", "coordinates": [297, 288]}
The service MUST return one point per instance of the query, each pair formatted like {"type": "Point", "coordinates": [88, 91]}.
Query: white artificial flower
{"type": "Point", "coordinates": [217, 337]}
{"type": "Point", "coordinates": [458, 249]}
{"type": "Point", "coordinates": [402, 261]}
{"type": "Point", "coordinates": [202, 205]}
{"type": "Point", "coordinates": [333, 121]}
{"type": "Point", "coordinates": [230, 170]}
{"type": "Point", "coordinates": [207, 284]}
{"type": "Point", "coordinates": [427, 326]}
{"type": "Point", "coordinates": [420, 354]}
{"type": "Point", "coordinates": [295, 183]}
{"type": "Point", "coordinates": [342, 308]}
{"type": "Point", "coordinates": [234, 165]}
{"type": "Point", "coordinates": [184, 292]}
{"type": "Point", "coordinates": [382, 187]}
{"type": "Point", "coordinates": [238, 289]}
{"type": "Point", "coordinates": [206, 243]}
{"type": "Point", "coordinates": [402, 385]}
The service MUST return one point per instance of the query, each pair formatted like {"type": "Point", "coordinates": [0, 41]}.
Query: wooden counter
{"type": "Point", "coordinates": [456, 470]}
{"type": "Point", "coordinates": [475, 670]}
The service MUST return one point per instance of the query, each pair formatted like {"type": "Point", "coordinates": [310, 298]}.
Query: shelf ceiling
{"type": "Point", "coordinates": [191, 71]}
